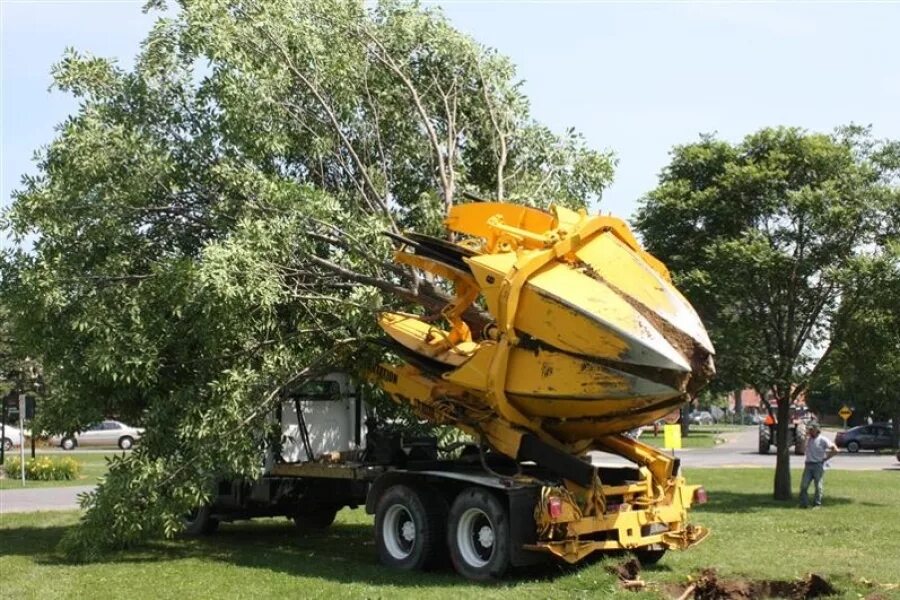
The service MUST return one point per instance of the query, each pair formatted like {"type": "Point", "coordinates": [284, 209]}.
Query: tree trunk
{"type": "Point", "coordinates": [783, 451]}
{"type": "Point", "coordinates": [684, 420]}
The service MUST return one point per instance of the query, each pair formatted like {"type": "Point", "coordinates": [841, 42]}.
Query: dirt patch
{"type": "Point", "coordinates": [626, 571]}
{"type": "Point", "coordinates": [709, 586]}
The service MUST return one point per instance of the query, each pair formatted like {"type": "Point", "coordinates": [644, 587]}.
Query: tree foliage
{"type": "Point", "coordinates": [863, 370]}
{"type": "Point", "coordinates": [207, 227]}
{"type": "Point", "coordinates": [766, 238]}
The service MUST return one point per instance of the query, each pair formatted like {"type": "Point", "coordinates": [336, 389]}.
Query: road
{"type": "Point", "coordinates": [738, 451]}
{"type": "Point", "coordinates": [741, 451]}
{"type": "Point", "coordinates": [35, 499]}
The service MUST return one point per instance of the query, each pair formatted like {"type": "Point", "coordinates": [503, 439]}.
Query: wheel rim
{"type": "Point", "coordinates": [399, 532]}
{"type": "Point", "coordinates": [475, 537]}
{"type": "Point", "coordinates": [125, 444]}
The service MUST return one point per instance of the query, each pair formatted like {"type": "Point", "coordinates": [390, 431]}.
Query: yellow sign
{"type": "Point", "coordinates": [672, 437]}
{"type": "Point", "coordinates": [845, 413]}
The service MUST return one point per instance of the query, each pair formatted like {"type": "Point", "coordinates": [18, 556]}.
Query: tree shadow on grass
{"type": "Point", "coordinates": [30, 541]}
{"type": "Point", "coordinates": [751, 502]}
{"type": "Point", "coordinates": [344, 553]}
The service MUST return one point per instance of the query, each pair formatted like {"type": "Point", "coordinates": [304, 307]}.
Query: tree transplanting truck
{"type": "Point", "coordinates": [561, 335]}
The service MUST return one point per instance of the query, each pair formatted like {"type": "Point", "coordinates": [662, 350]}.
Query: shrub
{"type": "Point", "coordinates": [44, 468]}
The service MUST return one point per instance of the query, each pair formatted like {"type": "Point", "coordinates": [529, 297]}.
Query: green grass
{"type": "Point", "coordinates": [93, 466]}
{"type": "Point", "coordinates": [856, 535]}
{"type": "Point", "coordinates": [700, 436]}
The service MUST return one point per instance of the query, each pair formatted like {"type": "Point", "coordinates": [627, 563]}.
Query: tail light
{"type": "Point", "coordinates": [554, 507]}
{"type": "Point", "coordinates": [700, 496]}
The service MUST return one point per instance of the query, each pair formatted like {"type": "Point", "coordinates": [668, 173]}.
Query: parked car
{"type": "Point", "coordinates": [12, 436]}
{"type": "Point", "coordinates": [701, 417]}
{"type": "Point", "coordinates": [865, 437]}
{"type": "Point", "coordinates": [105, 433]}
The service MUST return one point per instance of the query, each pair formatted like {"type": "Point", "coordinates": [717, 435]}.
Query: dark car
{"type": "Point", "coordinates": [865, 437]}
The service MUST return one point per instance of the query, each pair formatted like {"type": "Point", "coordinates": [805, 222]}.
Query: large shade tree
{"type": "Point", "coordinates": [766, 237]}
{"type": "Point", "coordinates": [863, 369]}
{"type": "Point", "coordinates": [207, 228]}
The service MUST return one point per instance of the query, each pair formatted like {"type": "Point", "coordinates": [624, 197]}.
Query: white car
{"type": "Point", "coordinates": [105, 433]}
{"type": "Point", "coordinates": [12, 436]}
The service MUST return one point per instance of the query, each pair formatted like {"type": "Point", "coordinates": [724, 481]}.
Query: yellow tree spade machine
{"type": "Point", "coordinates": [562, 334]}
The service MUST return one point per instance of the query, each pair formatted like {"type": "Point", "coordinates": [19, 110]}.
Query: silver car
{"type": "Point", "coordinates": [105, 433]}
{"type": "Point", "coordinates": [12, 436]}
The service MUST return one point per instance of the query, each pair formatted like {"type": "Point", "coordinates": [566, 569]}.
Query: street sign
{"type": "Point", "coordinates": [672, 437]}
{"type": "Point", "coordinates": [845, 413]}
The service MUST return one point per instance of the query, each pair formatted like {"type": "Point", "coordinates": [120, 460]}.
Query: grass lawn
{"type": "Point", "coordinates": [93, 466]}
{"type": "Point", "coordinates": [700, 436]}
{"type": "Point", "coordinates": [856, 535]}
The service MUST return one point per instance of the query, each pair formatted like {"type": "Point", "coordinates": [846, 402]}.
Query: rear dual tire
{"type": "Point", "coordinates": [409, 528]}
{"type": "Point", "coordinates": [478, 535]}
{"type": "Point", "coordinates": [200, 522]}
{"type": "Point", "coordinates": [414, 530]}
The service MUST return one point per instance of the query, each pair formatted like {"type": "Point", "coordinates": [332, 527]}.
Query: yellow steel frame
{"type": "Point", "coordinates": [538, 238]}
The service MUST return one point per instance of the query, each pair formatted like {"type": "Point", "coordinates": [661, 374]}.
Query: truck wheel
{"type": "Point", "coordinates": [478, 535]}
{"type": "Point", "coordinates": [853, 446]}
{"type": "Point", "coordinates": [200, 522]}
{"type": "Point", "coordinates": [649, 557]}
{"type": "Point", "coordinates": [315, 518]}
{"type": "Point", "coordinates": [404, 529]}
{"type": "Point", "coordinates": [800, 445]}
{"type": "Point", "coordinates": [764, 441]}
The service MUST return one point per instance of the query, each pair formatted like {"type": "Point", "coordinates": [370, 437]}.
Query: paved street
{"type": "Point", "coordinates": [739, 451]}
{"type": "Point", "coordinates": [35, 499]}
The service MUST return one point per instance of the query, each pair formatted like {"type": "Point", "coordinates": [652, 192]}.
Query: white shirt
{"type": "Point", "coordinates": [817, 447]}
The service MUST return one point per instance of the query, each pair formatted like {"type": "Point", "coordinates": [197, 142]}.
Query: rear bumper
{"type": "Point", "coordinates": [660, 523]}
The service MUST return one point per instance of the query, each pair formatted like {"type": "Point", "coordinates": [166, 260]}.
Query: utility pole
{"type": "Point", "coordinates": [22, 434]}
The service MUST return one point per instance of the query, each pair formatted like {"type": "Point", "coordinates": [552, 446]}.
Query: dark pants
{"type": "Point", "coordinates": [812, 472]}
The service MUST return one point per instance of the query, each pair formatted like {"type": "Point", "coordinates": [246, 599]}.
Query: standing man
{"type": "Point", "coordinates": [819, 449]}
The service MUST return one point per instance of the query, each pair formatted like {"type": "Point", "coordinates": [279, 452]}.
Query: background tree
{"type": "Point", "coordinates": [765, 237]}
{"type": "Point", "coordinates": [208, 227]}
{"type": "Point", "coordinates": [863, 369]}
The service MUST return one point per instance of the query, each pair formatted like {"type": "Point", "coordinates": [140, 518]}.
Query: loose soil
{"type": "Point", "coordinates": [709, 586]}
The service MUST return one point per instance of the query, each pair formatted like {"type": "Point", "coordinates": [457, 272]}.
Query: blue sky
{"type": "Point", "coordinates": [636, 78]}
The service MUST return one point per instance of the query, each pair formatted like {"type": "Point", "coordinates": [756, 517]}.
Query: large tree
{"type": "Point", "coordinates": [863, 369]}
{"type": "Point", "coordinates": [764, 237]}
{"type": "Point", "coordinates": [207, 229]}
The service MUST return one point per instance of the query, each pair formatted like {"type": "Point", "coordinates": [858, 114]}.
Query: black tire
{"type": "Point", "coordinates": [408, 534]}
{"type": "Point", "coordinates": [200, 522]}
{"type": "Point", "coordinates": [478, 535]}
{"type": "Point", "coordinates": [764, 441]}
{"type": "Point", "coordinates": [7, 444]}
{"type": "Point", "coordinates": [316, 518]}
{"type": "Point", "coordinates": [853, 446]}
{"type": "Point", "coordinates": [126, 442]}
{"type": "Point", "coordinates": [68, 443]}
{"type": "Point", "coordinates": [648, 556]}
{"type": "Point", "coordinates": [800, 446]}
